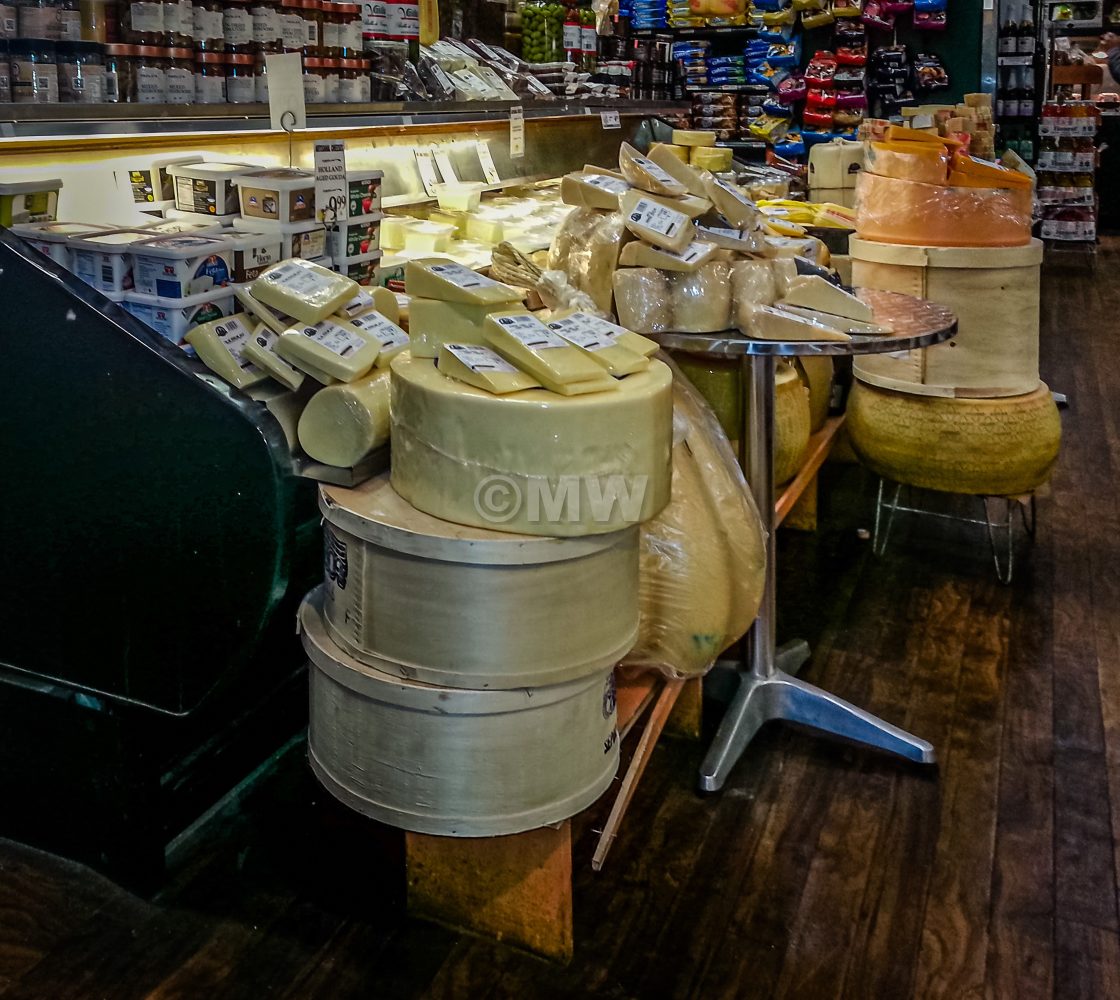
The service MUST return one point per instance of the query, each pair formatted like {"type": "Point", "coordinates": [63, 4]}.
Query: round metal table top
{"type": "Point", "coordinates": [914, 323]}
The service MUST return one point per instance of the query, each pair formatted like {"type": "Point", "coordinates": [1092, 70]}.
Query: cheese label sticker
{"type": "Point", "coordinates": [530, 331]}
{"type": "Point", "coordinates": [480, 359]}
{"type": "Point", "coordinates": [656, 172]}
{"type": "Point", "coordinates": [585, 331]}
{"type": "Point", "coordinates": [693, 252]}
{"type": "Point", "coordinates": [381, 329]}
{"type": "Point", "coordinates": [728, 234]}
{"type": "Point", "coordinates": [296, 279]}
{"type": "Point", "coordinates": [358, 304]}
{"type": "Point", "coordinates": [334, 338]}
{"type": "Point", "coordinates": [460, 276]}
{"type": "Point", "coordinates": [233, 335]}
{"type": "Point", "coordinates": [611, 184]}
{"type": "Point", "coordinates": [653, 215]}
{"type": "Point", "coordinates": [735, 193]}
{"type": "Point", "coordinates": [584, 338]}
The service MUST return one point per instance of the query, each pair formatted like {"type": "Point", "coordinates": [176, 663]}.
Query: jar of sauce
{"type": "Point", "coordinates": [241, 79]}
{"type": "Point", "coordinates": [237, 26]}
{"type": "Point", "coordinates": [180, 76]}
{"type": "Point", "coordinates": [142, 24]}
{"type": "Point", "coordinates": [149, 75]}
{"type": "Point", "coordinates": [209, 26]}
{"type": "Point", "coordinates": [210, 78]}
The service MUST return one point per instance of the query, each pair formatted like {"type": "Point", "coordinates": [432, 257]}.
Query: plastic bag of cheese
{"type": "Point", "coordinates": [586, 248]}
{"type": "Point", "coordinates": [649, 300]}
{"type": "Point", "coordinates": [703, 558]}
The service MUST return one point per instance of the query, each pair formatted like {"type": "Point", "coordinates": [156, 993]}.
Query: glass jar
{"type": "Point", "coordinates": [241, 79]}
{"type": "Point", "coordinates": [34, 73]}
{"type": "Point", "coordinates": [350, 79]}
{"type": "Point", "coordinates": [331, 78]}
{"type": "Point", "coordinates": [180, 76]}
{"type": "Point", "coordinates": [237, 26]}
{"type": "Point", "coordinates": [69, 21]}
{"type": "Point", "coordinates": [149, 75]}
{"type": "Point", "coordinates": [313, 28]}
{"type": "Point", "coordinates": [314, 80]}
{"type": "Point", "coordinates": [268, 31]}
{"type": "Point", "coordinates": [542, 31]}
{"type": "Point", "coordinates": [5, 73]}
{"type": "Point", "coordinates": [210, 78]}
{"type": "Point", "coordinates": [9, 20]}
{"type": "Point", "coordinates": [178, 22]}
{"type": "Point", "coordinates": [118, 72]}
{"type": "Point", "coordinates": [38, 19]}
{"type": "Point", "coordinates": [142, 24]}
{"type": "Point", "coordinates": [81, 72]}
{"type": "Point", "coordinates": [293, 33]}
{"type": "Point", "coordinates": [349, 30]}
{"type": "Point", "coordinates": [209, 26]}
{"type": "Point", "coordinates": [332, 29]}
{"type": "Point", "coordinates": [262, 78]}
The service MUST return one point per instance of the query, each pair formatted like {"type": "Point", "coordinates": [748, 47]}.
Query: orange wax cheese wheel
{"type": "Point", "coordinates": [900, 133]}
{"type": "Point", "coordinates": [926, 162]}
{"type": "Point", "coordinates": [991, 174]}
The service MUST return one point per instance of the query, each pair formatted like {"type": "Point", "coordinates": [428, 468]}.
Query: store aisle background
{"type": "Point", "coordinates": [821, 871]}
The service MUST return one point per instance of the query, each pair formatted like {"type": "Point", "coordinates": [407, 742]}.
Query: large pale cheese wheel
{"type": "Point", "coordinates": [341, 424]}
{"type": "Point", "coordinates": [533, 461]}
{"type": "Point", "coordinates": [816, 373]}
{"type": "Point", "coordinates": [994, 447]}
{"type": "Point", "coordinates": [467, 607]}
{"type": "Point", "coordinates": [449, 761]}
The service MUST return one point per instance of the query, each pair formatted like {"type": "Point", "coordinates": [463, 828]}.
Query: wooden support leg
{"type": "Point", "coordinates": [684, 720]}
{"type": "Point", "coordinates": [517, 889]}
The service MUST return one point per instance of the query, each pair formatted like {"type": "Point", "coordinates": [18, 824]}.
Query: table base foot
{"type": "Point", "coordinates": [779, 696]}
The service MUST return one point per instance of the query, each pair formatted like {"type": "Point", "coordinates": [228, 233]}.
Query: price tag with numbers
{"type": "Point", "coordinates": [610, 119]}
{"type": "Point", "coordinates": [331, 195]}
{"type": "Point", "coordinates": [516, 131]}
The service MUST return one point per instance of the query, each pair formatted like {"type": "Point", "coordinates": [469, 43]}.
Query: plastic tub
{"type": "Point", "coordinates": [29, 201]}
{"type": "Point", "coordinates": [252, 253]}
{"type": "Point", "coordinates": [176, 267]}
{"type": "Point", "coordinates": [104, 260]}
{"type": "Point", "coordinates": [461, 197]}
{"type": "Point", "coordinates": [277, 197]}
{"type": "Point", "coordinates": [152, 186]}
{"type": "Point", "coordinates": [54, 238]}
{"type": "Point", "coordinates": [201, 219]}
{"type": "Point", "coordinates": [302, 239]}
{"type": "Point", "coordinates": [207, 188]}
{"type": "Point", "coordinates": [173, 318]}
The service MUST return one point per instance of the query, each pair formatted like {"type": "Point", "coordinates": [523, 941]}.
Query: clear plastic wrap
{"type": "Point", "coordinates": [641, 298]}
{"type": "Point", "coordinates": [752, 283]}
{"type": "Point", "coordinates": [889, 210]}
{"type": "Point", "coordinates": [643, 173]}
{"type": "Point", "coordinates": [586, 248]}
{"type": "Point", "coordinates": [701, 301]}
{"type": "Point", "coordinates": [703, 558]}
{"type": "Point", "coordinates": [341, 424]}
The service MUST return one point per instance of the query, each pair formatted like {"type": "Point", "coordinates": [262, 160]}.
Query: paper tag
{"type": "Point", "coordinates": [653, 215]}
{"type": "Point", "coordinates": [587, 328]}
{"type": "Point", "coordinates": [333, 337]}
{"type": "Point", "coordinates": [610, 119]}
{"type": "Point", "coordinates": [658, 174]}
{"type": "Point", "coordinates": [233, 335]}
{"type": "Point", "coordinates": [381, 329]}
{"type": "Point", "coordinates": [427, 171]}
{"type": "Point", "coordinates": [531, 332]}
{"type": "Point", "coordinates": [446, 170]}
{"type": "Point", "coordinates": [285, 91]}
{"type": "Point", "coordinates": [332, 197]}
{"type": "Point", "coordinates": [462, 277]}
{"type": "Point", "coordinates": [516, 132]}
{"type": "Point", "coordinates": [480, 359]}
{"type": "Point", "coordinates": [489, 171]}
{"type": "Point", "coordinates": [605, 183]}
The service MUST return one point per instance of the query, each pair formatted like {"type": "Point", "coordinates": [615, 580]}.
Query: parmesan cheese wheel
{"type": "Point", "coordinates": [816, 374]}
{"type": "Point", "coordinates": [792, 424]}
{"type": "Point", "coordinates": [701, 301]}
{"type": "Point", "coordinates": [641, 297]}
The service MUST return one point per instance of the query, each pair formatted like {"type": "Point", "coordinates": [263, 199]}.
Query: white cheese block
{"type": "Point", "coordinates": [639, 254]}
{"type": "Point", "coordinates": [304, 290]}
{"type": "Point", "coordinates": [563, 455]}
{"type": "Point", "coordinates": [732, 203]}
{"type": "Point", "coordinates": [261, 350]}
{"type": "Point", "coordinates": [641, 297]}
{"type": "Point", "coordinates": [332, 346]}
{"type": "Point", "coordinates": [701, 302]}
{"type": "Point", "coordinates": [429, 237]}
{"type": "Point", "coordinates": [851, 326]}
{"type": "Point", "coordinates": [603, 347]}
{"type": "Point", "coordinates": [643, 173]}
{"type": "Point", "coordinates": [815, 292]}
{"type": "Point", "coordinates": [690, 177]}
{"type": "Point", "coordinates": [275, 320]}
{"type": "Point", "coordinates": [432, 323]}
{"type": "Point", "coordinates": [656, 223]}
{"type": "Point", "coordinates": [585, 190]}
{"type": "Point", "coordinates": [752, 284]}
{"type": "Point", "coordinates": [341, 424]}
{"type": "Point", "coordinates": [394, 229]}
{"type": "Point", "coordinates": [220, 345]}
{"type": "Point", "coordinates": [693, 137]}
{"type": "Point", "coordinates": [729, 238]}
{"type": "Point", "coordinates": [767, 323]}
{"type": "Point", "coordinates": [526, 342]}
{"type": "Point", "coordinates": [483, 368]}
{"type": "Point", "coordinates": [390, 337]}
{"type": "Point", "coordinates": [450, 282]}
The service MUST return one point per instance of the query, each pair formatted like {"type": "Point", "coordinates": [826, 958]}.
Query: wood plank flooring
{"type": "Point", "coordinates": [820, 871]}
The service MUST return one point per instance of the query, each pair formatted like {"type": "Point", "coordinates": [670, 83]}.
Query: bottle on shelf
{"type": "Point", "coordinates": [1007, 41]}
{"type": "Point", "coordinates": [1047, 148]}
{"type": "Point", "coordinates": [1026, 93]}
{"type": "Point", "coordinates": [1026, 38]}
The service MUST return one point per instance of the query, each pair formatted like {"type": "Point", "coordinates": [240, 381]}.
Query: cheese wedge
{"type": "Point", "coordinates": [715, 159]}
{"type": "Point", "coordinates": [687, 204]}
{"type": "Point", "coordinates": [483, 368]}
{"type": "Point", "coordinates": [900, 133]}
{"type": "Point", "coordinates": [992, 174]}
{"type": "Point", "coordinates": [603, 348]}
{"type": "Point", "coordinates": [303, 289]}
{"type": "Point", "coordinates": [604, 329]}
{"type": "Point", "coordinates": [591, 168]}
{"type": "Point", "coordinates": [639, 254]}
{"type": "Point", "coordinates": [728, 238]}
{"type": "Point", "coordinates": [275, 320]}
{"type": "Point", "coordinates": [261, 350]}
{"type": "Point", "coordinates": [655, 222]}
{"type": "Point", "coordinates": [592, 191]}
{"type": "Point", "coordinates": [731, 203]}
{"type": "Point", "coordinates": [850, 326]}
{"type": "Point", "coordinates": [220, 344]}
{"type": "Point", "coordinates": [451, 282]}
{"type": "Point", "coordinates": [432, 323]}
{"type": "Point", "coordinates": [667, 160]}
{"type": "Point", "coordinates": [385, 302]}
{"type": "Point", "coordinates": [525, 342]}
{"type": "Point", "coordinates": [679, 153]}
{"type": "Point", "coordinates": [815, 292]}
{"type": "Point", "coordinates": [768, 323]}
{"type": "Point", "coordinates": [390, 337]}
{"type": "Point", "coordinates": [693, 137]}
{"type": "Point", "coordinates": [331, 346]}
{"type": "Point", "coordinates": [643, 173]}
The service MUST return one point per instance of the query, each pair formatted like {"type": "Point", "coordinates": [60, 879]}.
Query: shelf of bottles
{"type": "Point", "coordinates": [1067, 163]}
{"type": "Point", "coordinates": [1017, 56]}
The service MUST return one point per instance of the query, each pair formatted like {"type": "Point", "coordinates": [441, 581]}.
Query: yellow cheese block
{"type": "Point", "coordinates": [483, 368]}
{"type": "Point", "coordinates": [909, 161]}
{"type": "Point", "coordinates": [732, 203]}
{"type": "Point", "coordinates": [220, 344]}
{"type": "Point", "coordinates": [304, 290]}
{"type": "Point", "coordinates": [585, 190]}
{"type": "Point", "coordinates": [992, 174]}
{"type": "Point", "coordinates": [678, 153]}
{"type": "Point", "coordinates": [601, 343]}
{"type": "Point", "coordinates": [643, 173]}
{"type": "Point", "coordinates": [432, 323]}
{"type": "Point", "coordinates": [669, 160]}
{"type": "Point", "coordinates": [717, 160]}
{"type": "Point", "coordinates": [900, 133]}
{"type": "Point", "coordinates": [526, 342]}
{"type": "Point", "coordinates": [693, 137]}
{"type": "Point", "coordinates": [655, 222]}
{"type": "Point", "coordinates": [639, 254]}
{"type": "Point", "coordinates": [261, 351]}
{"type": "Point", "coordinates": [332, 346]}
{"type": "Point", "coordinates": [451, 282]}
{"type": "Point", "coordinates": [341, 424]}
{"type": "Point", "coordinates": [389, 337]}
{"type": "Point", "coordinates": [562, 462]}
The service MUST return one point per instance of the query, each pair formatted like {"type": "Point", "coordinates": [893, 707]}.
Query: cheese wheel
{"type": "Point", "coordinates": [701, 302]}
{"type": "Point", "coordinates": [341, 424]}
{"type": "Point", "coordinates": [532, 461]}
{"type": "Point", "coordinates": [641, 296]}
{"type": "Point", "coordinates": [816, 372]}
{"type": "Point", "coordinates": [693, 137]}
{"type": "Point", "coordinates": [908, 161]}
{"type": "Point", "coordinates": [792, 424]}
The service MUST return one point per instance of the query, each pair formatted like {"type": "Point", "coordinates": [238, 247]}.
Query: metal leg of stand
{"type": "Point", "coordinates": [767, 689]}
{"type": "Point", "coordinates": [882, 532]}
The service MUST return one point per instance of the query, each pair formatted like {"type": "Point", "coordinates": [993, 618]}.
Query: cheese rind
{"type": "Point", "coordinates": [304, 290]}
{"type": "Point", "coordinates": [261, 350]}
{"type": "Point", "coordinates": [527, 343]}
{"type": "Point", "coordinates": [220, 344]}
{"type": "Point", "coordinates": [767, 323]}
{"type": "Point", "coordinates": [483, 368]}
{"type": "Point", "coordinates": [656, 223]}
{"type": "Point", "coordinates": [332, 346]}
{"type": "Point", "coordinates": [450, 282]}
{"type": "Point", "coordinates": [341, 424]}
{"type": "Point", "coordinates": [668, 160]}
{"type": "Point", "coordinates": [815, 292]}
{"type": "Point", "coordinates": [640, 254]}
{"type": "Point", "coordinates": [693, 137]}
{"type": "Point", "coordinates": [432, 323]}
{"type": "Point", "coordinates": [643, 173]}
{"type": "Point", "coordinates": [732, 203]}
{"type": "Point", "coordinates": [585, 190]}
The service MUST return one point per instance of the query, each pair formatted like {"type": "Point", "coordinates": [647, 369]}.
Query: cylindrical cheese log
{"type": "Point", "coordinates": [533, 462]}
{"type": "Point", "coordinates": [701, 301]}
{"type": "Point", "coordinates": [641, 298]}
{"type": "Point", "coordinates": [341, 424]}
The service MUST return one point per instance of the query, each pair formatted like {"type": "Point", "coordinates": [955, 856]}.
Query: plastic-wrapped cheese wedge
{"type": "Point", "coordinates": [701, 302]}
{"type": "Point", "coordinates": [643, 173]}
{"type": "Point", "coordinates": [221, 346]}
{"type": "Point", "coordinates": [687, 204]}
{"type": "Point", "coordinates": [693, 137]}
{"type": "Point", "coordinates": [641, 297]}
{"type": "Point", "coordinates": [580, 465]}
{"type": "Point", "coordinates": [992, 174]}
{"type": "Point", "coordinates": [260, 349]}
{"type": "Point", "coordinates": [639, 254]}
{"type": "Point", "coordinates": [390, 337]}
{"type": "Point", "coordinates": [585, 190]}
{"type": "Point", "coordinates": [450, 282]}
{"type": "Point", "coordinates": [341, 424]}
{"type": "Point", "coordinates": [752, 284]}
{"type": "Point", "coordinates": [667, 158]}
{"type": "Point", "coordinates": [728, 238]}
{"type": "Point", "coordinates": [850, 326]}
{"type": "Point", "coordinates": [432, 323]}
{"type": "Point", "coordinates": [304, 290]}
{"type": "Point", "coordinates": [332, 346]}
{"type": "Point", "coordinates": [732, 203]}
{"type": "Point", "coordinates": [483, 368]}
{"type": "Point", "coordinates": [768, 323]}
{"type": "Point", "coordinates": [814, 292]}
{"type": "Point", "coordinates": [656, 223]}
{"type": "Point", "coordinates": [603, 347]}
{"type": "Point", "coordinates": [564, 321]}
{"type": "Point", "coordinates": [785, 274]}
{"type": "Point", "coordinates": [276, 321]}
{"type": "Point", "coordinates": [526, 342]}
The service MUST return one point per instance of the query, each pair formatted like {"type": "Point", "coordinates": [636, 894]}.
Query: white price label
{"type": "Point", "coordinates": [653, 215]}
{"type": "Point", "coordinates": [446, 170]}
{"type": "Point", "coordinates": [332, 197]}
{"type": "Point", "coordinates": [610, 119]}
{"type": "Point", "coordinates": [480, 359]}
{"type": "Point", "coordinates": [531, 332]}
{"type": "Point", "coordinates": [286, 105]}
{"type": "Point", "coordinates": [516, 132]}
{"type": "Point", "coordinates": [427, 169]}
{"type": "Point", "coordinates": [489, 171]}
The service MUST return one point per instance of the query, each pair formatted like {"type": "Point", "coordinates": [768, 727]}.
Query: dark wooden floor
{"type": "Point", "coordinates": [821, 871]}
